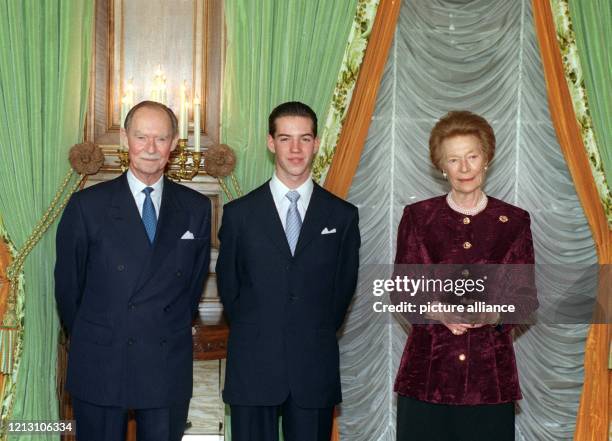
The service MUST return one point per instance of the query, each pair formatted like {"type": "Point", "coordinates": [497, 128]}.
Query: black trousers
{"type": "Point", "coordinates": [260, 423]}
{"type": "Point", "coordinates": [108, 423]}
{"type": "Point", "coordinates": [422, 421]}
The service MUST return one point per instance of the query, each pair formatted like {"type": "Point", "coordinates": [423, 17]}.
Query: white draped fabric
{"type": "Point", "coordinates": [480, 55]}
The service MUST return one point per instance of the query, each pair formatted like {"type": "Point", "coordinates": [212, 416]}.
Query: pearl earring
{"type": "Point", "coordinates": [444, 174]}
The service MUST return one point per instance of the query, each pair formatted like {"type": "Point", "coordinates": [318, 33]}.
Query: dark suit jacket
{"type": "Point", "coordinates": [477, 367]}
{"type": "Point", "coordinates": [128, 305]}
{"type": "Point", "coordinates": [284, 310]}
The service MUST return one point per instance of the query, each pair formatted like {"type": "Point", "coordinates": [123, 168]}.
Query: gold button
{"type": "Point", "coordinates": [465, 273]}
{"type": "Point", "coordinates": [462, 357]}
{"type": "Point", "coordinates": [503, 218]}
{"type": "Point", "coordinates": [467, 245]}
{"type": "Point", "coordinates": [466, 220]}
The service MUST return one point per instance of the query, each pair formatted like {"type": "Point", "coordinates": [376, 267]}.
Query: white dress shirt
{"type": "Point", "coordinates": [279, 192]}
{"type": "Point", "coordinates": [136, 187]}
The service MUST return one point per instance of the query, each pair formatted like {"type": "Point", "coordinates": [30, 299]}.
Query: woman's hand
{"type": "Point", "coordinates": [454, 321]}
{"type": "Point", "coordinates": [486, 318]}
{"type": "Point", "coordinates": [458, 328]}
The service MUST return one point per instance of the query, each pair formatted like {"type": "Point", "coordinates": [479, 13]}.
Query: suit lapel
{"type": "Point", "coordinates": [316, 215]}
{"type": "Point", "coordinates": [266, 215]}
{"type": "Point", "coordinates": [171, 224]}
{"type": "Point", "coordinates": [127, 222]}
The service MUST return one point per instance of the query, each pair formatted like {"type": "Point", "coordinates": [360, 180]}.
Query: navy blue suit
{"type": "Point", "coordinates": [284, 310]}
{"type": "Point", "coordinates": [128, 304]}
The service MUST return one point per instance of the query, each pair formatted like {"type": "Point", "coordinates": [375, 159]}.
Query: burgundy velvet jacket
{"type": "Point", "coordinates": [477, 367]}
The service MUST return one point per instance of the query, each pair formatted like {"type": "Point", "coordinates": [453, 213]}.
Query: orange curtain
{"type": "Point", "coordinates": [357, 122]}
{"type": "Point", "coordinates": [355, 127]}
{"type": "Point", "coordinates": [593, 415]}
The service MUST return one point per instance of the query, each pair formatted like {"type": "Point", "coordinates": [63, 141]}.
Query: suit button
{"type": "Point", "coordinates": [293, 299]}
{"type": "Point", "coordinates": [467, 245]}
{"type": "Point", "coordinates": [465, 272]}
{"type": "Point", "coordinates": [166, 308]}
{"type": "Point", "coordinates": [120, 267]}
{"type": "Point", "coordinates": [131, 306]}
{"type": "Point", "coordinates": [179, 274]}
{"type": "Point", "coordinates": [162, 342]}
{"type": "Point", "coordinates": [466, 220]}
{"type": "Point", "coordinates": [130, 341]}
{"type": "Point", "coordinates": [462, 357]}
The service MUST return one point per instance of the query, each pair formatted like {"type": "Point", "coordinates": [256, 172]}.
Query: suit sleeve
{"type": "Point", "coordinates": [228, 281]}
{"type": "Point", "coordinates": [202, 260]}
{"type": "Point", "coordinates": [70, 262]}
{"type": "Point", "coordinates": [348, 268]}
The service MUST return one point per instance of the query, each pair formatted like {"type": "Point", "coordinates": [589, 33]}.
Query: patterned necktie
{"type": "Point", "coordinates": [149, 219]}
{"type": "Point", "coordinates": [294, 221]}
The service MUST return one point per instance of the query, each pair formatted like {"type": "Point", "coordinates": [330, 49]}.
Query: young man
{"type": "Point", "coordinates": [286, 273]}
{"type": "Point", "coordinates": [132, 257]}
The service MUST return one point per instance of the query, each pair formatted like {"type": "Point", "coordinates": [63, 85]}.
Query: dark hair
{"type": "Point", "coordinates": [152, 105]}
{"type": "Point", "coordinates": [291, 108]}
{"type": "Point", "coordinates": [461, 122]}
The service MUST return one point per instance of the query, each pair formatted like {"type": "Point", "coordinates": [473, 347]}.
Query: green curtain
{"type": "Point", "coordinates": [277, 51]}
{"type": "Point", "coordinates": [592, 21]}
{"type": "Point", "coordinates": [45, 50]}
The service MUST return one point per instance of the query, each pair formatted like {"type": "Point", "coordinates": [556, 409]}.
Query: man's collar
{"type": "Point", "coordinates": [136, 185]}
{"type": "Point", "coordinates": [279, 189]}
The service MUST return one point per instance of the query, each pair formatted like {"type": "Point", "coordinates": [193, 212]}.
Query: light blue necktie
{"type": "Point", "coordinates": [149, 219]}
{"type": "Point", "coordinates": [294, 221]}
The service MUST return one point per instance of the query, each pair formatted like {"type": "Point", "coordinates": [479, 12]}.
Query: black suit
{"type": "Point", "coordinates": [128, 305]}
{"type": "Point", "coordinates": [284, 310]}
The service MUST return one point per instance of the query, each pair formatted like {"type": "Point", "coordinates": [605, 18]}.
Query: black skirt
{"type": "Point", "coordinates": [422, 421]}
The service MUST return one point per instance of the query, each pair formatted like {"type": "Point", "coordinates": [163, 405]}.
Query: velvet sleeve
{"type": "Point", "coordinates": [409, 248]}
{"type": "Point", "coordinates": [520, 288]}
{"type": "Point", "coordinates": [409, 257]}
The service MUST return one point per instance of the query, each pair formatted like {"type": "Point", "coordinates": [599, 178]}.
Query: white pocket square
{"type": "Point", "coordinates": [326, 231]}
{"type": "Point", "coordinates": [187, 235]}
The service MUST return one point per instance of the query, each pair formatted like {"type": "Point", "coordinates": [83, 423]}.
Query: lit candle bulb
{"type": "Point", "coordinates": [196, 124]}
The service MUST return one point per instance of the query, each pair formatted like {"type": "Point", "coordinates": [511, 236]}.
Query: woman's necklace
{"type": "Point", "coordinates": [480, 205]}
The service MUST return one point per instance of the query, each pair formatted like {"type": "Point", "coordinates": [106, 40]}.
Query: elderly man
{"type": "Point", "coordinates": [132, 258]}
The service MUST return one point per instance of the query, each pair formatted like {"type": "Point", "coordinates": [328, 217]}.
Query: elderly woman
{"type": "Point", "coordinates": [458, 381]}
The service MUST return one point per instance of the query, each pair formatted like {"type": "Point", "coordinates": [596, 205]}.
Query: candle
{"type": "Point", "coordinates": [182, 110]}
{"type": "Point", "coordinates": [157, 85]}
{"type": "Point", "coordinates": [186, 120]}
{"type": "Point", "coordinates": [129, 94]}
{"type": "Point", "coordinates": [124, 110]}
{"type": "Point", "coordinates": [125, 107]}
{"type": "Point", "coordinates": [163, 92]}
{"type": "Point", "coordinates": [196, 124]}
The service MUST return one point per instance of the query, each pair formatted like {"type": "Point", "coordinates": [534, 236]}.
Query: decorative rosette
{"type": "Point", "coordinates": [86, 158]}
{"type": "Point", "coordinates": [219, 161]}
